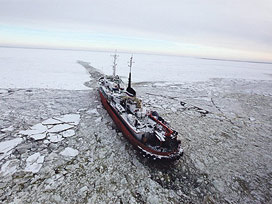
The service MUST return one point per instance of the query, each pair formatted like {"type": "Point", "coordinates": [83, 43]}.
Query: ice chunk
{"type": "Point", "coordinates": [38, 136]}
{"type": "Point", "coordinates": [46, 141]}
{"type": "Point", "coordinates": [35, 129]}
{"type": "Point", "coordinates": [34, 162]}
{"type": "Point", "coordinates": [93, 111]}
{"type": "Point", "coordinates": [51, 121]}
{"type": "Point", "coordinates": [60, 128]}
{"type": "Point", "coordinates": [69, 118]}
{"type": "Point", "coordinates": [3, 91]}
{"type": "Point", "coordinates": [55, 138]}
{"type": "Point", "coordinates": [9, 129]}
{"type": "Point", "coordinates": [98, 120]}
{"type": "Point", "coordinates": [7, 146]}
{"type": "Point", "coordinates": [68, 133]}
{"type": "Point", "coordinates": [9, 167]}
{"type": "Point", "coordinates": [69, 152]}
{"type": "Point", "coordinates": [173, 110]}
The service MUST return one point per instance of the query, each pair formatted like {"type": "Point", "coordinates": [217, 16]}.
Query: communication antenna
{"type": "Point", "coordinates": [115, 56]}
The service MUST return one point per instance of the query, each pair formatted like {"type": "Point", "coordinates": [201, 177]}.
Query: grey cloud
{"type": "Point", "coordinates": [249, 21]}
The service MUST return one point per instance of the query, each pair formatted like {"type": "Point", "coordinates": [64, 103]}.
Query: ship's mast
{"type": "Point", "coordinates": [130, 90]}
{"type": "Point", "coordinates": [115, 56]}
{"type": "Point", "coordinates": [130, 65]}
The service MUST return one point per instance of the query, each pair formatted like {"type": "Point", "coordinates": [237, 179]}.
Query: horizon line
{"type": "Point", "coordinates": [127, 52]}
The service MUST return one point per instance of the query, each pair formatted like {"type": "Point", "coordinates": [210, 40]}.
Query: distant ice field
{"type": "Point", "coordinates": [58, 69]}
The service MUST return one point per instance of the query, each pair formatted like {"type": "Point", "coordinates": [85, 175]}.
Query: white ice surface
{"type": "Point", "coordinates": [34, 162]}
{"type": "Point", "coordinates": [35, 129]}
{"type": "Point", "coordinates": [7, 146]}
{"type": "Point", "coordinates": [60, 128]}
{"type": "Point", "coordinates": [9, 167]}
{"type": "Point", "coordinates": [38, 136]}
{"type": "Point", "coordinates": [69, 152]}
{"type": "Point", "coordinates": [98, 120]}
{"type": "Point", "coordinates": [37, 68]}
{"type": "Point", "coordinates": [55, 138]}
{"type": "Point", "coordinates": [93, 111]}
{"type": "Point", "coordinates": [69, 118]}
{"type": "Point", "coordinates": [8, 129]}
{"type": "Point", "coordinates": [68, 133]}
{"type": "Point", "coordinates": [51, 121]}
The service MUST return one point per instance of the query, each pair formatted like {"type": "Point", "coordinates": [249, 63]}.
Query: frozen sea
{"type": "Point", "coordinates": [58, 69]}
{"type": "Point", "coordinates": [59, 145]}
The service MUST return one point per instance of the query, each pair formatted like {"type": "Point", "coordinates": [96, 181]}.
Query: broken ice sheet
{"type": "Point", "coordinates": [93, 111]}
{"type": "Point", "coordinates": [60, 128]}
{"type": "Point", "coordinates": [69, 152]}
{"type": "Point", "coordinates": [7, 146]}
{"type": "Point", "coordinates": [9, 129]}
{"type": "Point", "coordinates": [98, 120]}
{"type": "Point", "coordinates": [9, 167]}
{"type": "Point", "coordinates": [51, 121]}
{"type": "Point", "coordinates": [69, 118]}
{"type": "Point", "coordinates": [35, 129]}
{"type": "Point", "coordinates": [39, 136]}
{"type": "Point", "coordinates": [55, 138]}
{"type": "Point", "coordinates": [34, 163]}
{"type": "Point", "coordinates": [68, 133]}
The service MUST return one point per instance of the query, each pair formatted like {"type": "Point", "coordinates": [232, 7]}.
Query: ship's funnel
{"type": "Point", "coordinates": [130, 91]}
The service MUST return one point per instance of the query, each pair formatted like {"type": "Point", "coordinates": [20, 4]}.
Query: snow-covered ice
{"type": "Point", "coordinates": [93, 111]}
{"type": "Point", "coordinates": [69, 118]}
{"type": "Point", "coordinates": [68, 133]}
{"type": "Point", "coordinates": [34, 163]}
{"type": "Point", "coordinates": [51, 121]}
{"type": "Point", "coordinates": [9, 167]}
{"type": "Point", "coordinates": [38, 136]}
{"type": "Point", "coordinates": [34, 68]}
{"type": "Point", "coordinates": [218, 120]}
{"type": "Point", "coordinates": [7, 146]}
{"type": "Point", "coordinates": [8, 129]}
{"type": "Point", "coordinates": [60, 128]}
{"type": "Point", "coordinates": [55, 137]}
{"type": "Point", "coordinates": [35, 129]}
{"type": "Point", "coordinates": [69, 152]}
{"type": "Point", "coordinates": [57, 69]}
{"type": "Point", "coordinates": [98, 120]}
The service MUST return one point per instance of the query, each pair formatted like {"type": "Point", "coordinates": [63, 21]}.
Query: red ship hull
{"type": "Point", "coordinates": [128, 133]}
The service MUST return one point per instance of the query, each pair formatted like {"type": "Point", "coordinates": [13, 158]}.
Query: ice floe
{"type": "Point", "coordinates": [8, 129]}
{"type": "Point", "coordinates": [69, 152]}
{"type": "Point", "coordinates": [55, 138]}
{"type": "Point", "coordinates": [39, 136]}
{"type": "Point", "coordinates": [9, 167]}
{"type": "Point", "coordinates": [69, 118]}
{"type": "Point", "coordinates": [68, 133]}
{"type": "Point", "coordinates": [34, 163]}
{"type": "Point", "coordinates": [7, 146]}
{"type": "Point", "coordinates": [93, 111]}
{"type": "Point", "coordinates": [46, 141]}
{"type": "Point", "coordinates": [35, 129]}
{"type": "Point", "coordinates": [53, 125]}
{"type": "Point", "coordinates": [48, 129]}
{"type": "Point", "coordinates": [60, 128]}
{"type": "Point", "coordinates": [51, 121]}
{"type": "Point", "coordinates": [98, 120]}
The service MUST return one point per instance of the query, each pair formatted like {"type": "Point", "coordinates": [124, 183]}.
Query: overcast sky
{"type": "Point", "coordinates": [229, 29]}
